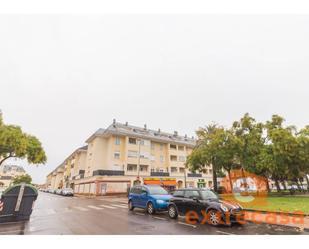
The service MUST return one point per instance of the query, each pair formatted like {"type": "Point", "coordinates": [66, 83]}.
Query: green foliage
{"type": "Point", "coordinates": [15, 143]}
{"type": "Point", "coordinates": [271, 150]}
{"type": "Point", "coordinates": [22, 179]}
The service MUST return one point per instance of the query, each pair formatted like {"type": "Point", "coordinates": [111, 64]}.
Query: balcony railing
{"type": "Point", "coordinates": [159, 174]}
{"type": "Point", "coordinates": [108, 173]}
{"type": "Point", "coordinates": [194, 175]}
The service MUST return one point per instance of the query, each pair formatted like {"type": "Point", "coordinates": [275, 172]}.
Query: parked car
{"type": "Point", "coordinates": [198, 200]}
{"type": "Point", "coordinates": [152, 198]}
{"type": "Point", "coordinates": [68, 192]}
{"type": "Point", "coordinates": [58, 191]}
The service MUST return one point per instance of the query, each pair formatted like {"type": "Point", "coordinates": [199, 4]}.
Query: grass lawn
{"type": "Point", "coordinates": [283, 203]}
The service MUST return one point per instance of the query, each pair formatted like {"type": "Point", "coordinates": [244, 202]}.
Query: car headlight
{"type": "Point", "coordinates": [224, 208]}
{"type": "Point", "coordinates": [160, 201]}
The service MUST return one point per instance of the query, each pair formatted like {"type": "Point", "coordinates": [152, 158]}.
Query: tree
{"type": "Point", "coordinates": [217, 147]}
{"type": "Point", "coordinates": [250, 136]}
{"type": "Point", "coordinates": [14, 143]}
{"type": "Point", "coordinates": [22, 179]}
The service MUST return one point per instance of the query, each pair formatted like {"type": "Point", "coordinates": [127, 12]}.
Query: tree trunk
{"type": "Point", "coordinates": [301, 184]}
{"type": "Point", "coordinates": [267, 185]}
{"type": "Point", "coordinates": [231, 185]}
{"type": "Point", "coordinates": [307, 180]}
{"type": "Point", "coordinates": [214, 178]}
{"type": "Point", "coordinates": [297, 183]}
{"type": "Point", "coordinates": [277, 185]}
{"type": "Point", "coordinates": [284, 185]}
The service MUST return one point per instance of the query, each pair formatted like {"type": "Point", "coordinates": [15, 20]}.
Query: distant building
{"type": "Point", "coordinates": [123, 155]}
{"type": "Point", "coordinates": [8, 173]}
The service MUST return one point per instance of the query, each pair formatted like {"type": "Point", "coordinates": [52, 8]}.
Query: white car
{"type": "Point", "coordinates": [68, 192]}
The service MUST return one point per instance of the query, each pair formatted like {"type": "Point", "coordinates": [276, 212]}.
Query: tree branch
{"type": "Point", "coordinates": [9, 156]}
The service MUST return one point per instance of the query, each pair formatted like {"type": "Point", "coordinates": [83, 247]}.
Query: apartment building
{"type": "Point", "coordinates": [8, 173]}
{"type": "Point", "coordinates": [123, 155]}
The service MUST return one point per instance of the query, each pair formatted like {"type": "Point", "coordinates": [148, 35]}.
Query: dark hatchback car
{"type": "Point", "coordinates": [204, 203]}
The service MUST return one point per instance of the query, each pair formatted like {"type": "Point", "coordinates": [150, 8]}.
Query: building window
{"type": "Point", "coordinates": [180, 147]}
{"type": "Point", "coordinates": [143, 168]}
{"type": "Point", "coordinates": [117, 155]}
{"type": "Point", "coordinates": [173, 146]}
{"type": "Point", "coordinates": [131, 167]}
{"type": "Point", "coordinates": [152, 170]}
{"type": "Point", "coordinates": [210, 171]}
{"type": "Point", "coordinates": [173, 158]}
{"type": "Point", "coordinates": [181, 170]}
{"type": "Point", "coordinates": [182, 158]}
{"type": "Point", "coordinates": [161, 147]}
{"type": "Point", "coordinates": [161, 159]}
{"type": "Point", "coordinates": [117, 140]}
{"type": "Point", "coordinates": [132, 153]}
{"type": "Point", "coordinates": [174, 169]}
{"type": "Point", "coordinates": [145, 142]}
{"type": "Point", "coordinates": [132, 140]}
{"type": "Point", "coordinates": [144, 155]}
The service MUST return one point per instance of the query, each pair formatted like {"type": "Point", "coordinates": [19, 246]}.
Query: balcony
{"type": "Point", "coordinates": [108, 173]}
{"type": "Point", "coordinates": [194, 175]}
{"type": "Point", "coordinates": [159, 174]}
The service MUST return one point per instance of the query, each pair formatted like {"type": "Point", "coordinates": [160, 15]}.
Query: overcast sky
{"type": "Point", "coordinates": [63, 77]}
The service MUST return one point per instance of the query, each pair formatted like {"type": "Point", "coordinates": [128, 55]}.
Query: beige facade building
{"type": "Point", "coordinates": [8, 173]}
{"type": "Point", "coordinates": [123, 155]}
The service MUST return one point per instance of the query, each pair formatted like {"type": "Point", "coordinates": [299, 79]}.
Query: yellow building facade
{"type": "Point", "coordinates": [122, 155]}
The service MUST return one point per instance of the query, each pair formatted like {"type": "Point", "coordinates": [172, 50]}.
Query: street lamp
{"type": "Point", "coordinates": [139, 158]}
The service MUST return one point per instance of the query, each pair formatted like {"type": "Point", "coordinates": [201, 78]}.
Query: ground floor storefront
{"type": "Point", "coordinates": [109, 185]}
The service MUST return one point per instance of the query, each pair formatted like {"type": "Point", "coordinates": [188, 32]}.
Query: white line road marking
{"type": "Point", "coordinates": [81, 208]}
{"type": "Point", "coordinates": [96, 208]}
{"type": "Point", "coordinates": [105, 206]}
{"type": "Point", "coordinates": [225, 233]}
{"type": "Point", "coordinates": [158, 218]}
{"type": "Point", "coordinates": [50, 211]}
{"type": "Point", "coordinates": [186, 224]}
{"type": "Point", "coordinates": [120, 206]}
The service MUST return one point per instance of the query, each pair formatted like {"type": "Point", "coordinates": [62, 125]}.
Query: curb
{"type": "Point", "coordinates": [275, 212]}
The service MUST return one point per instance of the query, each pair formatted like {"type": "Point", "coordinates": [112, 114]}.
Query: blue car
{"type": "Point", "coordinates": [150, 197]}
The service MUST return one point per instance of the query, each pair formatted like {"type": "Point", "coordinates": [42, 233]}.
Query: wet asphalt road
{"type": "Point", "coordinates": [57, 215]}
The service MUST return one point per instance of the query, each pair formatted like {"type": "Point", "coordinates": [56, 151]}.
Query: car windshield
{"type": "Point", "coordinates": [206, 194]}
{"type": "Point", "coordinates": [157, 191]}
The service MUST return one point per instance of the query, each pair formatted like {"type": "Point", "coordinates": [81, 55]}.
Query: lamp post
{"type": "Point", "coordinates": [185, 175]}
{"type": "Point", "coordinates": [139, 158]}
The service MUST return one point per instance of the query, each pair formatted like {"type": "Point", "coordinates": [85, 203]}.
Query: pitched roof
{"type": "Point", "coordinates": [134, 131]}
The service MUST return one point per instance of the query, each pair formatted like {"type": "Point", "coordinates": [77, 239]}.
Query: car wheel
{"type": "Point", "coordinates": [172, 212]}
{"type": "Point", "coordinates": [214, 217]}
{"type": "Point", "coordinates": [130, 205]}
{"type": "Point", "coordinates": [150, 208]}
